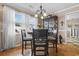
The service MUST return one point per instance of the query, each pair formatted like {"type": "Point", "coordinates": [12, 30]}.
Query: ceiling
{"type": "Point", "coordinates": [31, 8]}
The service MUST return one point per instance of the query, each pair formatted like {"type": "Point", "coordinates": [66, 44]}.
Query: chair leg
{"type": "Point", "coordinates": [25, 44]}
{"type": "Point", "coordinates": [56, 48]}
{"type": "Point", "coordinates": [31, 49]}
{"type": "Point", "coordinates": [22, 48]}
{"type": "Point", "coordinates": [46, 51]}
{"type": "Point", "coordinates": [34, 51]}
{"type": "Point", "coordinates": [53, 45]}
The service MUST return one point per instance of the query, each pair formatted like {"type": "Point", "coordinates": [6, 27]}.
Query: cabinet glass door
{"type": "Point", "coordinates": [46, 24]}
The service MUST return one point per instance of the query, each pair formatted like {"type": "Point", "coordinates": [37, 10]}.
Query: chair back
{"type": "Point", "coordinates": [23, 33]}
{"type": "Point", "coordinates": [40, 35]}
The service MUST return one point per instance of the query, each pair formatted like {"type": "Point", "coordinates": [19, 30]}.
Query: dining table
{"type": "Point", "coordinates": [50, 37]}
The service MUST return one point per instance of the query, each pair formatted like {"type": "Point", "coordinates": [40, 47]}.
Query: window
{"type": "Point", "coordinates": [33, 23]}
{"type": "Point", "coordinates": [18, 18]}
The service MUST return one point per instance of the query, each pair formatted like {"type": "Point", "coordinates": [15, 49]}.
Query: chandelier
{"type": "Point", "coordinates": [41, 13]}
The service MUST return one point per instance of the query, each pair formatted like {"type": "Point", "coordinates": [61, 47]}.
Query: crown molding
{"type": "Point", "coordinates": [69, 8]}
{"type": "Point", "coordinates": [67, 11]}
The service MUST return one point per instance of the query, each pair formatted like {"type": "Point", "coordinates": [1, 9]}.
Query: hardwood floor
{"type": "Point", "coordinates": [63, 50]}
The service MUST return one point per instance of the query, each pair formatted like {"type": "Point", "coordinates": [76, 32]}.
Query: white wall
{"type": "Point", "coordinates": [72, 19]}
{"type": "Point", "coordinates": [1, 20]}
{"type": "Point", "coordinates": [64, 17]}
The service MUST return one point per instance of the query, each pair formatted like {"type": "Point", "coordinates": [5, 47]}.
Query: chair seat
{"type": "Point", "coordinates": [53, 40]}
{"type": "Point", "coordinates": [50, 37]}
{"type": "Point", "coordinates": [40, 44]}
{"type": "Point", "coordinates": [27, 39]}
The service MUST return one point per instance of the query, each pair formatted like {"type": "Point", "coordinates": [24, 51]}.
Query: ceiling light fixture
{"type": "Point", "coordinates": [41, 13]}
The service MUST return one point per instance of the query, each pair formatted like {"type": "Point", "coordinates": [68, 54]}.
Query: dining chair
{"type": "Point", "coordinates": [40, 42]}
{"type": "Point", "coordinates": [53, 39]}
{"type": "Point", "coordinates": [24, 40]}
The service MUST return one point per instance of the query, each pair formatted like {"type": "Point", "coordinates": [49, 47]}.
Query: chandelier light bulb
{"type": "Point", "coordinates": [44, 14]}
{"type": "Point", "coordinates": [36, 15]}
{"type": "Point", "coordinates": [41, 17]}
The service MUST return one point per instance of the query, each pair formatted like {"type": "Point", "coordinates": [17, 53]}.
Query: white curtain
{"type": "Point", "coordinates": [8, 28]}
